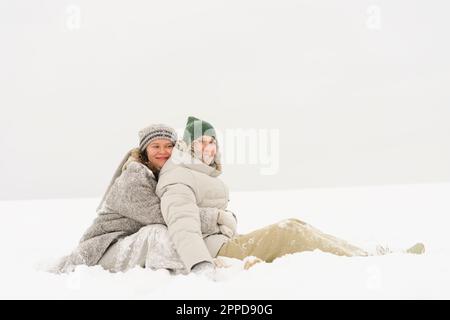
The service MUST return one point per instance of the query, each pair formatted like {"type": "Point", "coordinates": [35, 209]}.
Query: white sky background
{"type": "Point", "coordinates": [359, 90]}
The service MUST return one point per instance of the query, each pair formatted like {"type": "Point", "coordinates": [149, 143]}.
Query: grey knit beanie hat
{"type": "Point", "coordinates": [155, 132]}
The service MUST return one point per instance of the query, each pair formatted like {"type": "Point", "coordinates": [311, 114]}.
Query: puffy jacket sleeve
{"type": "Point", "coordinates": [181, 213]}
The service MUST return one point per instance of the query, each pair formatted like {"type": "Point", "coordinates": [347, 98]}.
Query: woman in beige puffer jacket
{"type": "Point", "coordinates": [189, 181]}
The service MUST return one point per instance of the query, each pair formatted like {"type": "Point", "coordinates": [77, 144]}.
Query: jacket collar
{"type": "Point", "coordinates": [181, 156]}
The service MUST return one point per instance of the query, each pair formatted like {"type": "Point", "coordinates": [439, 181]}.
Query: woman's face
{"type": "Point", "coordinates": [205, 149]}
{"type": "Point", "coordinates": [159, 151]}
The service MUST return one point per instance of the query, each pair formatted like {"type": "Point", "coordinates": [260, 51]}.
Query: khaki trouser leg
{"type": "Point", "coordinates": [288, 236]}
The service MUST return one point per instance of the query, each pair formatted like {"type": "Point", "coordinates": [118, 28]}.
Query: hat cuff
{"type": "Point", "coordinates": [155, 136]}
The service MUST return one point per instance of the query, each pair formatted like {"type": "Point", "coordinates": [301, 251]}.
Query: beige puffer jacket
{"type": "Point", "coordinates": [185, 185]}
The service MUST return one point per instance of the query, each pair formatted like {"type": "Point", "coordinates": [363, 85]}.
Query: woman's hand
{"type": "Point", "coordinates": [220, 263]}
{"type": "Point", "coordinates": [227, 223]}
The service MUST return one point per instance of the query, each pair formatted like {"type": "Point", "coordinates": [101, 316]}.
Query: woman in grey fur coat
{"type": "Point", "coordinates": [129, 229]}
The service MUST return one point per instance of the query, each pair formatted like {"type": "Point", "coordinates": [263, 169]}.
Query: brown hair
{"type": "Point", "coordinates": [141, 157]}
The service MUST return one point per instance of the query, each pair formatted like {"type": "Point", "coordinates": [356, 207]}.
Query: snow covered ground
{"type": "Point", "coordinates": [34, 233]}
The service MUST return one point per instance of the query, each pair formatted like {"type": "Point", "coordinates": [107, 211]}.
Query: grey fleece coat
{"type": "Point", "coordinates": [129, 204]}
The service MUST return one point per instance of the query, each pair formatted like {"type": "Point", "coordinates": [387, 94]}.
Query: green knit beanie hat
{"type": "Point", "coordinates": [195, 128]}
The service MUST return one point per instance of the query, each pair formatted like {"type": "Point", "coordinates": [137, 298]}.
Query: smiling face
{"type": "Point", "coordinates": [159, 151]}
{"type": "Point", "coordinates": [205, 149]}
